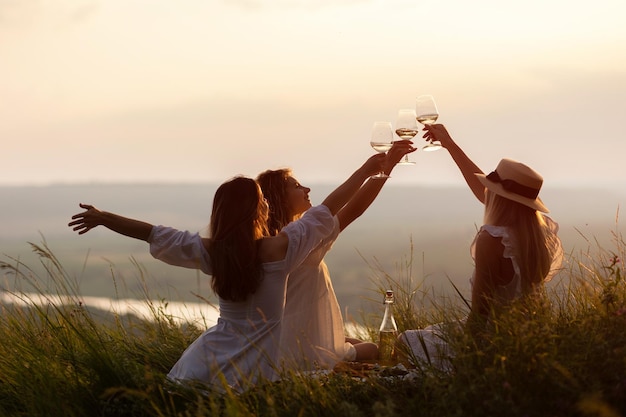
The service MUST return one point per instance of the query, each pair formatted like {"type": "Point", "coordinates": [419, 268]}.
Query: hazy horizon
{"type": "Point", "coordinates": [439, 222]}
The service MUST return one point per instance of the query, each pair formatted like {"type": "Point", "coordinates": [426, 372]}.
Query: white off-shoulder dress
{"type": "Point", "coordinates": [243, 347]}
{"type": "Point", "coordinates": [428, 345]}
{"type": "Point", "coordinates": [313, 335]}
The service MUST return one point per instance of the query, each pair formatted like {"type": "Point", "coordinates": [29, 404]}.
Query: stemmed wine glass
{"type": "Point", "coordinates": [382, 141]}
{"type": "Point", "coordinates": [427, 114]}
{"type": "Point", "coordinates": [406, 128]}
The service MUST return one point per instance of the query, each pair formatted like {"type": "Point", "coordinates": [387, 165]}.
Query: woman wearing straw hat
{"type": "Point", "coordinates": [515, 251]}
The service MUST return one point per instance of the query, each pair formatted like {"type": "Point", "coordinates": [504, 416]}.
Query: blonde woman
{"type": "Point", "coordinates": [515, 251]}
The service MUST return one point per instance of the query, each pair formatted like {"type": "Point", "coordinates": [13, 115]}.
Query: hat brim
{"type": "Point", "coordinates": [497, 188]}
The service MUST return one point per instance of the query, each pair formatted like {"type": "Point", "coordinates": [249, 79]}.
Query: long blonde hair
{"type": "Point", "coordinates": [534, 246]}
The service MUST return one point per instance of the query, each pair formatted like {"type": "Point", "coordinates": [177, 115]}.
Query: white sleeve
{"type": "Point", "coordinates": [307, 233]}
{"type": "Point", "coordinates": [179, 248]}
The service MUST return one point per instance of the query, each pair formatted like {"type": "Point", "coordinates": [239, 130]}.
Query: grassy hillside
{"type": "Point", "coordinates": [568, 359]}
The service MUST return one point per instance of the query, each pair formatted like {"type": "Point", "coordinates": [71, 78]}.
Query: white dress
{"type": "Point", "coordinates": [428, 345]}
{"type": "Point", "coordinates": [313, 333]}
{"type": "Point", "coordinates": [243, 347]}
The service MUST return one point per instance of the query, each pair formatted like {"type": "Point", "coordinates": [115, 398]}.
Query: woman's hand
{"type": "Point", "coordinates": [374, 165]}
{"type": "Point", "coordinates": [92, 217]}
{"type": "Point", "coordinates": [437, 132]}
{"type": "Point", "coordinates": [397, 152]}
{"type": "Point", "coordinates": [87, 220]}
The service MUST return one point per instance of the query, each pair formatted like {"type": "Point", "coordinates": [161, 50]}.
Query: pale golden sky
{"type": "Point", "coordinates": [196, 90]}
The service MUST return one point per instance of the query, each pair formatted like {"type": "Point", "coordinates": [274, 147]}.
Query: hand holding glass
{"type": "Point", "coordinates": [427, 113]}
{"type": "Point", "coordinates": [382, 141]}
{"type": "Point", "coordinates": [406, 128]}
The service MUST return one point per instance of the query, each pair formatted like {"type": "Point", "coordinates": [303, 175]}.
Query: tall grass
{"type": "Point", "coordinates": [59, 358]}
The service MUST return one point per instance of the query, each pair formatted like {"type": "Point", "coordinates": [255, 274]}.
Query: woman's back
{"type": "Point", "coordinates": [244, 344]}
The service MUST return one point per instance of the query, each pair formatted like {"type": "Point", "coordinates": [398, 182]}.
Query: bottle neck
{"type": "Point", "coordinates": [388, 323]}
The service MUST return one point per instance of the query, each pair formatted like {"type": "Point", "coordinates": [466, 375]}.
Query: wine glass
{"type": "Point", "coordinates": [406, 128]}
{"type": "Point", "coordinates": [427, 114]}
{"type": "Point", "coordinates": [382, 141]}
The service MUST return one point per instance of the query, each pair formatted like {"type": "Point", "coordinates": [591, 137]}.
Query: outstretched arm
{"type": "Point", "coordinates": [342, 194]}
{"type": "Point", "coordinates": [370, 190]}
{"type": "Point", "coordinates": [92, 217]}
{"type": "Point", "coordinates": [467, 166]}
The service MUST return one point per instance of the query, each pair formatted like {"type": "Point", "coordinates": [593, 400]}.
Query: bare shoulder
{"type": "Point", "coordinates": [274, 248]}
{"type": "Point", "coordinates": [486, 243]}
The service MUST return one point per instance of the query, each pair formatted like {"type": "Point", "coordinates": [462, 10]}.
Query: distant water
{"type": "Point", "coordinates": [202, 314]}
{"type": "Point", "coordinates": [180, 312]}
{"type": "Point", "coordinates": [432, 226]}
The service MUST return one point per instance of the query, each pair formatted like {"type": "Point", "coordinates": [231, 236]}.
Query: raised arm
{"type": "Point", "coordinates": [364, 197]}
{"type": "Point", "coordinates": [92, 217]}
{"type": "Point", "coordinates": [467, 166]}
{"type": "Point", "coordinates": [342, 194]}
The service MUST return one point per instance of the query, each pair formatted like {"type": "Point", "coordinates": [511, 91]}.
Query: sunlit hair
{"type": "Point", "coordinates": [238, 222]}
{"type": "Point", "coordinates": [534, 241]}
{"type": "Point", "coordinates": [273, 183]}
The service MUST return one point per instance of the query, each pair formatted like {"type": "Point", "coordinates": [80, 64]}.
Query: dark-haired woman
{"type": "Point", "coordinates": [313, 334]}
{"type": "Point", "coordinates": [248, 271]}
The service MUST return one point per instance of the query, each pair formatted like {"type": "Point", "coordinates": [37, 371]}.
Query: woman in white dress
{"type": "Point", "coordinates": [515, 251]}
{"type": "Point", "coordinates": [313, 334]}
{"type": "Point", "coordinates": [248, 271]}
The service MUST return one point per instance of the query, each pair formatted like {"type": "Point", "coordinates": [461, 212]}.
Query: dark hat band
{"type": "Point", "coordinates": [514, 186]}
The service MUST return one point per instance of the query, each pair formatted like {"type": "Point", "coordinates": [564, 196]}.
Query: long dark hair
{"type": "Point", "coordinates": [238, 223]}
{"type": "Point", "coordinates": [273, 183]}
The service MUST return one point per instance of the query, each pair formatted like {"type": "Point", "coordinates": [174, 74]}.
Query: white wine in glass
{"type": "Point", "coordinates": [382, 141]}
{"type": "Point", "coordinates": [427, 113]}
{"type": "Point", "coordinates": [406, 128]}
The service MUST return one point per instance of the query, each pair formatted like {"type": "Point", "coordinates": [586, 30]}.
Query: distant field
{"type": "Point", "coordinates": [441, 223]}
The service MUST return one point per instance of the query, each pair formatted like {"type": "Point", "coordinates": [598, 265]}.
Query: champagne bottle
{"type": "Point", "coordinates": [388, 333]}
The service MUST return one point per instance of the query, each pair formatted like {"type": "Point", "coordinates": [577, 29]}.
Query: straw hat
{"type": "Point", "coordinates": [517, 182]}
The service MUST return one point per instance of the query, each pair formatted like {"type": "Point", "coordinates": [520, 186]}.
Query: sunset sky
{"type": "Point", "coordinates": [197, 90]}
